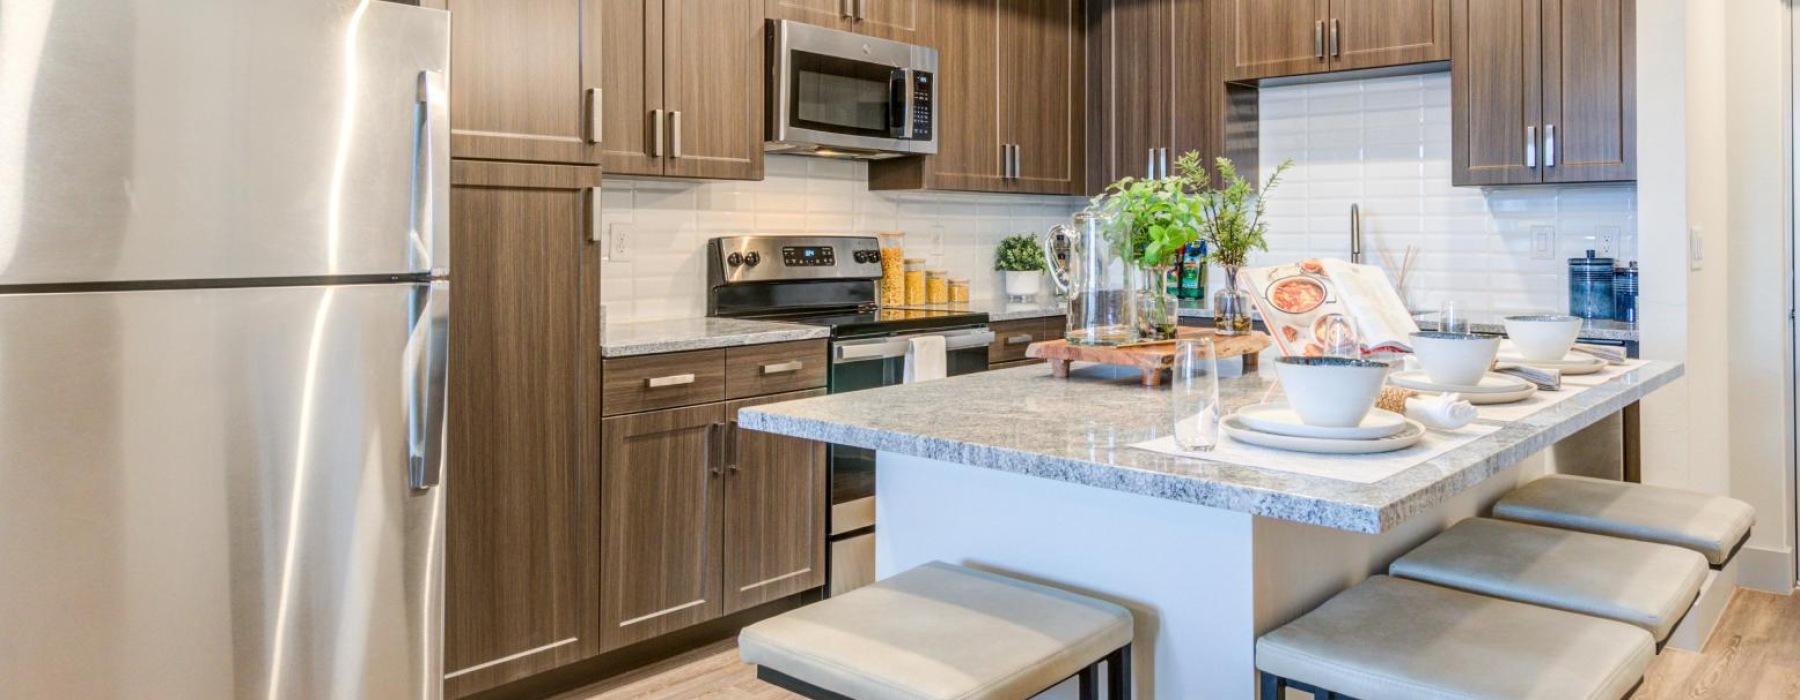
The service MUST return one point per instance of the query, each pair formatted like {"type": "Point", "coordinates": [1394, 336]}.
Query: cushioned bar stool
{"type": "Point", "coordinates": [1639, 583]}
{"type": "Point", "coordinates": [1714, 526]}
{"type": "Point", "coordinates": [1394, 639]}
{"type": "Point", "coordinates": [941, 631]}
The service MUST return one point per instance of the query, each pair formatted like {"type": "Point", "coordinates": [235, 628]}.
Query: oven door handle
{"type": "Point", "coordinates": [888, 348]}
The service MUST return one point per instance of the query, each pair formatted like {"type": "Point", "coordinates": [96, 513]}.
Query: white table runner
{"type": "Point", "coordinates": [1362, 469]}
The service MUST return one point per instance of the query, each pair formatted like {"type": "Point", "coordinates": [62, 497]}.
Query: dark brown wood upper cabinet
{"type": "Point", "coordinates": [775, 503]}
{"type": "Point", "coordinates": [897, 20]}
{"type": "Point", "coordinates": [661, 496]}
{"type": "Point", "coordinates": [1152, 95]}
{"type": "Point", "coordinates": [683, 90]}
{"type": "Point", "coordinates": [523, 82]}
{"type": "Point", "coordinates": [1282, 38]}
{"type": "Point", "coordinates": [1010, 102]}
{"type": "Point", "coordinates": [1543, 92]}
{"type": "Point", "coordinates": [521, 553]}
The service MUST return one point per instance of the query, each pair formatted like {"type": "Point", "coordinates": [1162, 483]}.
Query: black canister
{"type": "Point", "coordinates": [1591, 287]}
{"type": "Point", "coordinates": [1625, 293]}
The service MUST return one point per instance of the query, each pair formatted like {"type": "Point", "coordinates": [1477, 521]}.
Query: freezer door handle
{"type": "Point", "coordinates": [431, 200]}
{"type": "Point", "coordinates": [427, 349]}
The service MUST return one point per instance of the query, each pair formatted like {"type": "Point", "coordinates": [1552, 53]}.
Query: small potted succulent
{"type": "Point", "coordinates": [1020, 259]}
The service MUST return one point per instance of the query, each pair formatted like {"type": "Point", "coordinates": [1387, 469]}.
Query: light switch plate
{"type": "Point", "coordinates": [1543, 243]}
{"type": "Point", "coordinates": [1696, 252]}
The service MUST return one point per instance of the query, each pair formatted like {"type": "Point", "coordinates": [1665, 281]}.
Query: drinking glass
{"type": "Point", "coordinates": [1194, 395]}
{"type": "Point", "coordinates": [1453, 318]}
{"type": "Point", "coordinates": [1340, 338]}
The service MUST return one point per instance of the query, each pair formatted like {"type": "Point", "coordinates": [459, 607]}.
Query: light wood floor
{"type": "Point", "coordinates": [1754, 654]}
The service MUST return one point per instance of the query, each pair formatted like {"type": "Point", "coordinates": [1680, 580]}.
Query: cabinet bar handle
{"type": "Point", "coordinates": [1150, 166]}
{"type": "Point", "coordinates": [783, 367]}
{"type": "Point", "coordinates": [594, 103]}
{"type": "Point", "coordinates": [1334, 37]}
{"type": "Point", "coordinates": [671, 380]}
{"type": "Point", "coordinates": [1531, 147]}
{"type": "Point", "coordinates": [1549, 145]}
{"type": "Point", "coordinates": [861, 10]}
{"type": "Point", "coordinates": [844, 8]}
{"type": "Point", "coordinates": [1020, 339]}
{"type": "Point", "coordinates": [1165, 161]}
{"type": "Point", "coordinates": [656, 133]}
{"type": "Point", "coordinates": [594, 214]}
{"type": "Point", "coordinates": [1319, 40]}
{"type": "Point", "coordinates": [675, 134]}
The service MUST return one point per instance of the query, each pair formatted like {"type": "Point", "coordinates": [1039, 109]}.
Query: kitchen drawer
{"type": "Point", "coordinates": [1014, 363]}
{"type": "Point", "coordinates": [1012, 337]}
{"type": "Point", "coordinates": [756, 370]}
{"type": "Point", "coordinates": [650, 382]}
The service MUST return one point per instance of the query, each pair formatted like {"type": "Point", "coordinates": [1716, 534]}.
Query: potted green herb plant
{"type": "Point", "coordinates": [1232, 225]}
{"type": "Point", "coordinates": [1163, 217]}
{"type": "Point", "coordinates": [1020, 259]}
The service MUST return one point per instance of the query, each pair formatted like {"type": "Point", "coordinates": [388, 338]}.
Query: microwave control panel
{"type": "Point", "coordinates": [921, 105]}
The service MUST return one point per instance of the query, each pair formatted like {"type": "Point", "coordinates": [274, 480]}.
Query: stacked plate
{"type": "Point", "coordinates": [1492, 389]}
{"type": "Point", "coordinates": [1571, 364]}
{"type": "Point", "coordinates": [1277, 425]}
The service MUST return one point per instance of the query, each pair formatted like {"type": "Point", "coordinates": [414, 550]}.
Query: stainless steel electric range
{"type": "Point", "coordinates": [831, 281]}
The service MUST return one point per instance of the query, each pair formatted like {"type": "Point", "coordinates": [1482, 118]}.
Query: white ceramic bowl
{"type": "Point", "coordinates": [1543, 338]}
{"type": "Point", "coordinates": [1331, 392]}
{"type": "Point", "coordinates": [1459, 359]}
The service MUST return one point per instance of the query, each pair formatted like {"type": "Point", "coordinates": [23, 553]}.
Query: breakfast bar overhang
{"type": "Point", "coordinates": [1043, 479]}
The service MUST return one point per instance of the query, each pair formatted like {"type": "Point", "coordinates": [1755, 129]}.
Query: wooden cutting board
{"type": "Point", "coordinates": [1153, 359]}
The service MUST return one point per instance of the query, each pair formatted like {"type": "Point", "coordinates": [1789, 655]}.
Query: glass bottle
{"type": "Point", "coordinates": [1231, 306]}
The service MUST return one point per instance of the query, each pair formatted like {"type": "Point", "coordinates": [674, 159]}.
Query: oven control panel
{"type": "Point", "coordinates": [736, 259]}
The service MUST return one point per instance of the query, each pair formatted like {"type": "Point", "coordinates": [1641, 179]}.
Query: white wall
{"type": "Point", "coordinates": [668, 223]}
{"type": "Point", "coordinates": [1385, 144]}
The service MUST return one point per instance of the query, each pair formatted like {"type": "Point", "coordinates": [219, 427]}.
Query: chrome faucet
{"type": "Point", "coordinates": [1356, 252]}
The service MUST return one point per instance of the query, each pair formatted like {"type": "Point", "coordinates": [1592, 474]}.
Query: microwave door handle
{"type": "Point", "coordinates": [900, 91]}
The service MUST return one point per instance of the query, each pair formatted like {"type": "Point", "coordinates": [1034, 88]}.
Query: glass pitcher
{"type": "Point", "coordinates": [1096, 277]}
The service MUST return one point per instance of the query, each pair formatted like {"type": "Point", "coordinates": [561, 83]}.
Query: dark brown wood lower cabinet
{"type": "Point", "coordinates": [521, 552]}
{"type": "Point", "coordinates": [661, 493]}
{"type": "Point", "coordinates": [774, 512]}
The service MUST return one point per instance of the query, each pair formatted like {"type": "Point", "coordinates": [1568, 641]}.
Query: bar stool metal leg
{"type": "Point", "coordinates": [1118, 674]}
{"type": "Point", "coordinates": [1088, 686]}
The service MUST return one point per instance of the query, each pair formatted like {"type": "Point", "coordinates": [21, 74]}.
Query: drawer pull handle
{"type": "Point", "coordinates": [783, 367]}
{"type": "Point", "coordinates": [673, 380]}
{"type": "Point", "coordinates": [1020, 339]}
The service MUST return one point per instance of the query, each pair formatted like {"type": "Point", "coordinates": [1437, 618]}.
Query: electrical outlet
{"type": "Point", "coordinates": [936, 240]}
{"type": "Point", "coordinates": [1543, 243]}
{"type": "Point", "coordinates": [1606, 240]}
{"type": "Point", "coordinates": [1696, 253]}
{"type": "Point", "coordinates": [618, 243]}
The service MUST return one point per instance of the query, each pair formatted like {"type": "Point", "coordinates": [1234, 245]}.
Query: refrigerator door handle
{"type": "Point", "coordinates": [427, 348]}
{"type": "Point", "coordinates": [432, 200]}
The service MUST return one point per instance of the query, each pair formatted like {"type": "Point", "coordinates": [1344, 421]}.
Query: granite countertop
{"type": "Point", "coordinates": [1489, 321]}
{"type": "Point", "coordinates": [624, 339]}
{"type": "Point", "coordinates": [1081, 430]}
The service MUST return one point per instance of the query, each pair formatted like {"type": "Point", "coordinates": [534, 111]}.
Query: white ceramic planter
{"type": "Point", "coordinates": [1020, 285]}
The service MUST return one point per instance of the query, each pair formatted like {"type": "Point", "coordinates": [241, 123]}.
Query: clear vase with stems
{"type": "Point", "coordinates": [1231, 306]}
{"type": "Point", "coordinates": [1158, 310]}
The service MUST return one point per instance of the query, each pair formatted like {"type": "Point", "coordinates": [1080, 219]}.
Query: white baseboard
{"type": "Point", "coordinates": [1766, 569]}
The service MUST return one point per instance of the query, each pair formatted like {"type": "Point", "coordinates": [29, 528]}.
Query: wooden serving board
{"type": "Point", "coordinates": [1153, 359]}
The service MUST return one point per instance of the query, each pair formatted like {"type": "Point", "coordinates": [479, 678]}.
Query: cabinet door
{"type": "Point", "coordinates": [1130, 88]}
{"type": "Point", "coordinates": [1496, 92]}
{"type": "Point", "coordinates": [824, 13]}
{"type": "Point", "coordinates": [521, 543]}
{"type": "Point", "coordinates": [518, 91]}
{"type": "Point", "coordinates": [630, 67]}
{"type": "Point", "coordinates": [1590, 96]}
{"type": "Point", "coordinates": [713, 89]}
{"type": "Point", "coordinates": [1380, 33]}
{"type": "Point", "coordinates": [965, 33]}
{"type": "Point", "coordinates": [1272, 38]}
{"type": "Point", "coordinates": [1042, 79]}
{"type": "Point", "coordinates": [906, 21]}
{"type": "Point", "coordinates": [660, 489]}
{"type": "Point", "coordinates": [775, 504]}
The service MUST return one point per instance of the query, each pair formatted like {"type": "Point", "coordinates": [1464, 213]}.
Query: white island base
{"type": "Point", "coordinates": [1203, 583]}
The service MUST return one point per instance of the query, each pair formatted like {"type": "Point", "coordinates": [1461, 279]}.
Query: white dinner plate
{"type": "Point", "coordinates": [1572, 364]}
{"type": "Point", "coordinates": [1407, 437]}
{"type": "Point", "coordinates": [1491, 383]}
{"type": "Point", "coordinates": [1281, 419]}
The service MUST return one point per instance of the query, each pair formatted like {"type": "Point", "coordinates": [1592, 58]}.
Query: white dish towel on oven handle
{"type": "Point", "coordinates": [924, 359]}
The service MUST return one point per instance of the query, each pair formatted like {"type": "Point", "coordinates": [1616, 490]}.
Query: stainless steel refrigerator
{"type": "Point", "coordinates": [223, 296]}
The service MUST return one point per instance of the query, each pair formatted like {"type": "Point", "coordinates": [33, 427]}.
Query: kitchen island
{"type": "Point", "coordinates": [1041, 478]}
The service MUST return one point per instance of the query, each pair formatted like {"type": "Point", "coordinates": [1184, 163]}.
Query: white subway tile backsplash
{"type": "Point", "coordinates": [669, 222]}
{"type": "Point", "coordinates": [1385, 144]}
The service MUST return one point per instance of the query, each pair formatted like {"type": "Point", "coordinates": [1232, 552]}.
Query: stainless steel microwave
{"type": "Point", "coordinates": [834, 93]}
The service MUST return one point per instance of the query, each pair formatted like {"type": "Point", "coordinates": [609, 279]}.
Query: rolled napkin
{"type": "Point", "coordinates": [1613, 355]}
{"type": "Point", "coordinates": [1441, 411]}
{"type": "Point", "coordinates": [1546, 378]}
